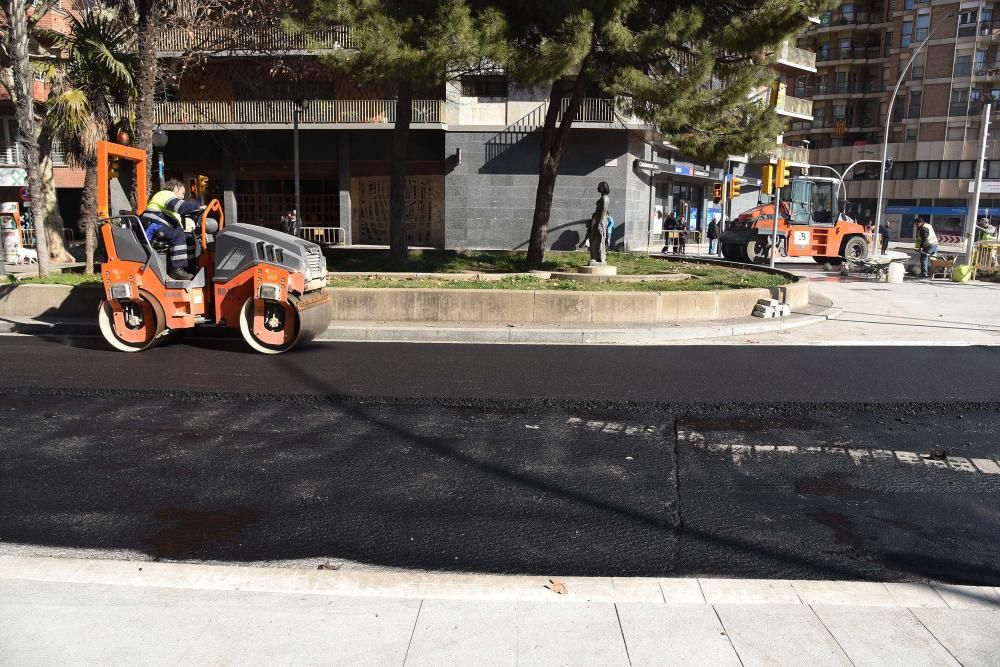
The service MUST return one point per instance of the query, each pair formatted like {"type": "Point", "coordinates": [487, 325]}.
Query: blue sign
{"type": "Point", "coordinates": [932, 210]}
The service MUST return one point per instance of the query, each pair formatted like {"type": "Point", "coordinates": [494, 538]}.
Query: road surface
{"type": "Point", "coordinates": [779, 463]}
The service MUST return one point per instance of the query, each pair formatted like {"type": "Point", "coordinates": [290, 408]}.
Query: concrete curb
{"type": "Point", "coordinates": [414, 584]}
{"type": "Point", "coordinates": [489, 333]}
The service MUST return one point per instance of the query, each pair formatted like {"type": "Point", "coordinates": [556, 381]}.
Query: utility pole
{"type": "Point", "coordinates": [970, 220]}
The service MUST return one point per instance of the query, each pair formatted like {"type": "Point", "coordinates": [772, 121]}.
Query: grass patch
{"type": "Point", "coordinates": [59, 279]}
{"type": "Point", "coordinates": [485, 261]}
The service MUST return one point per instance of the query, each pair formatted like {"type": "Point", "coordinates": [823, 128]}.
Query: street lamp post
{"type": "Point", "coordinates": [300, 107]}
{"type": "Point", "coordinates": [888, 121]}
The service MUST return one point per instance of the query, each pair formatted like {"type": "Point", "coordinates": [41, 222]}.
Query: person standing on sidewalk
{"type": "Point", "coordinates": [883, 236]}
{"type": "Point", "coordinates": [927, 244]}
{"type": "Point", "coordinates": [713, 236]}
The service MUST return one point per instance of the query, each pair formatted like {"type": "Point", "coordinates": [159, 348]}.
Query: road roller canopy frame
{"type": "Point", "coordinates": [267, 284]}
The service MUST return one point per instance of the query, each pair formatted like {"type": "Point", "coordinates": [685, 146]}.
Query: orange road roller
{"type": "Point", "coordinates": [267, 284]}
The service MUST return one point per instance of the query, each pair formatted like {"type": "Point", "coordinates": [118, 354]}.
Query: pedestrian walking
{"type": "Point", "coordinates": [883, 236]}
{"type": "Point", "coordinates": [669, 225]}
{"type": "Point", "coordinates": [927, 244]}
{"type": "Point", "coordinates": [713, 236]}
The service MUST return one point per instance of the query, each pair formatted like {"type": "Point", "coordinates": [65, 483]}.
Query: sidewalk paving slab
{"type": "Point", "coordinates": [675, 635]}
{"type": "Point", "coordinates": [742, 591]}
{"type": "Point", "coordinates": [915, 595]}
{"type": "Point", "coordinates": [971, 635]}
{"type": "Point", "coordinates": [844, 592]}
{"type": "Point", "coordinates": [577, 635]}
{"type": "Point", "coordinates": [873, 636]}
{"type": "Point", "coordinates": [969, 597]}
{"type": "Point", "coordinates": [779, 634]}
{"type": "Point", "coordinates": [465, 632]}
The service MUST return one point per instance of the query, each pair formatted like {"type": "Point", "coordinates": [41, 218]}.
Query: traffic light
{"type": "Point", "coordinates": [888, 166]}
{"type": "Point", "coordinates": [192, 188]}
{"type": "Point", "coordinates": [767, 179]}
{"type": "Point", "coordinates": [203, 185]}
{"type": "Point", "coordinates": [114, 167]}
{"type": "Point", "coordinates": [781, 175]}
{"type": "Point", "coordinates": [716, 193]}
{"type": "Point", "coordinates": [735, 184]}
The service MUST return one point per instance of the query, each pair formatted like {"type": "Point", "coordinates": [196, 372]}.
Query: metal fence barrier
{"type": "Point", "coordinates": [985, 257]}
{"type": "Point", "coordinates": [670, 237]}
{"type": "Point", "coordinates": [324, 235]}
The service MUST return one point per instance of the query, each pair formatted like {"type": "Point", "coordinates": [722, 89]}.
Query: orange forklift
{"type": "Point", "coordinates": [811, 224]}
{"type": "Point", "coordinates": [267, 284]}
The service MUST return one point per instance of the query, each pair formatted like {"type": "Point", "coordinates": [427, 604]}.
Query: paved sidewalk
{"type": "Point", "coordinates": [114, 612]}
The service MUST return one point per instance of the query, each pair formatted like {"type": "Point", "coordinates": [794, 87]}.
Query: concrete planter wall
{"type": "Point", "coordinates": [463, 305]}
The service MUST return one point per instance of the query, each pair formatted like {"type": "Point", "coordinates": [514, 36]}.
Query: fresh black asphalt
{"type": "Point", "coordinates": [548, 460]}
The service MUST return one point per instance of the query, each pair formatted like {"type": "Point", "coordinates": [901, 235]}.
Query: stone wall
{"type": "Point", "coordinates": [490, 196]}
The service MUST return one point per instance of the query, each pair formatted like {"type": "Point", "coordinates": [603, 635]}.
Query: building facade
{"type": "Point", "coordinates": [935, 128]}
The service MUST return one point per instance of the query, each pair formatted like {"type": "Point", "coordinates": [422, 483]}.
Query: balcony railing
{"type": "Point", "coordinates": [10, 154]}
{"type": "Point", "coordinates": [795, 106]}
{"type": "Point", "coordinates": [592, 110]}
{"type": "Point", "coordinates": [850, 53]}
{"type": "Point", "coordinates": [796, 56]}
{"type": "Point", "coordinates": [987, 69]}
{"type": "Point", "coordinates": [796, 154]}
{"type": "Point", "coordinates": [844, 18]}
{"type": "Point", "coordinates": [279, 112]}
{"type": "Point", "coordinates": [963, 69]}
{"type": "Point", "coordinates": [230, 40]}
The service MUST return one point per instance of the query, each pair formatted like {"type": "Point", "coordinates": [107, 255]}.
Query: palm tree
{"type": "Point", "coordinates": [16, 44]}
{"type": "Point", "coordinates": [96, 81]}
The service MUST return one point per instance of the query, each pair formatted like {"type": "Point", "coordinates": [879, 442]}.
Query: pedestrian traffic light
{"type": "Point", "coordinates": [716, 193]}
{"type": "Point", "coordinates": [781, 175]}
{"type": "Point", "coordinates": [114, 167]}
{"type": "Point", "coordinates": [767, 179]}
{"type": "Point", "coordinates": [735, 183]}
{"type": "Point", "coordinates": [203, 185]}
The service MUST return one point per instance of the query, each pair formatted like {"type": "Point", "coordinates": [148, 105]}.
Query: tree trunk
{"type": "Point", "coordinates": [145, 80]}
{"type": "Point", "coordinates": [49, 209]}
{"type": "Point", "coordinates": [555, 134]}
{"type": "Point", "coordinates": [23, 84]}
{"type": "Point", "coordinates": [398, 244]}
{"type": "Point", "coordinates": [88, 212]}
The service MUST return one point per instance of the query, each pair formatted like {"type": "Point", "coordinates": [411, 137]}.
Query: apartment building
{"type": "Point", "coordinates": [68, 180]}
{"type": "Point", "coordinates": [936, 119]}
{"type": "Point", "coordinates": [473, 149]}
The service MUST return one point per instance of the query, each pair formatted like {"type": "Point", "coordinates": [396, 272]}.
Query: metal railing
{"type": "Point", "coordinates": [796, 56]}
{"type": "Point", "coordinates": [10, 154]}
{"type": "Point", "coordinates": [323, 235]}
{"type": "Point", "coordinates": [963, 69]}
{"type": "Point", "coordinates": [260, 112]}
{"type": "Point", "coordinates": [247, 39]}
{"type": "Point", "coordinates": [592, 110]}
{"type": "Point", "coordinates": [850, 53]}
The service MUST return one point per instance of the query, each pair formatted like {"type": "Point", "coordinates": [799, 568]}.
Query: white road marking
{"type": "Point", "coordinates": [726, 442]}
{"type": "Point", "coordinates": [613, 427]}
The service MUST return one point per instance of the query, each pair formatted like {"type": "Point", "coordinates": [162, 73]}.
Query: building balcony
{"type": "Point", "coordinates": [263, 114]}
{"type": "Point", "coordinates": [10, 154]}
{"type": "Point", "coordinates": [794, 107]}
{"type": "Point", "coordinates": [249, 41]}
{"type": "Point", "coordinates": [792, 57]}
{"type": "Point", "coordinates": [797, 156]}
{"type": "Point", "coordinates": [850, 53]}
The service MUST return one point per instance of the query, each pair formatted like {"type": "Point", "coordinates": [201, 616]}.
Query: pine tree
{"type": "Point", "coordinates": [414, 46]}
{"type": "Point", "coordinates": [692, 70]}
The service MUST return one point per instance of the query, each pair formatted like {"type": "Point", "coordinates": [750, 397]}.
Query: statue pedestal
{"type": "Point", "coordinates": [598, 270]}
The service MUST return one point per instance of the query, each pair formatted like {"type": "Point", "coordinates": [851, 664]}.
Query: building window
{"type": "Point", "coordinates": [911, 136]}
{"type": "Point", "coordinates": [967, 20]}
{"type": "Point", "coordinates": [913, 110]}
{"type": "Point", "coordinates": [484, 86]}
{"type": "Point", "coordinates": [955, 133]}
{"type": "Point", "coordinates": [993, 169]}
{"type": "Point", "coordinates": [959, 102]}
{"type": "Point", "coordinates": [963, 65]}
{"type": "Point", "coordinates": [965, 168]}
{"type": "Point", "coordinates": [923, 26]}
{"type": "Point", "coordinates": [906, 35]}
